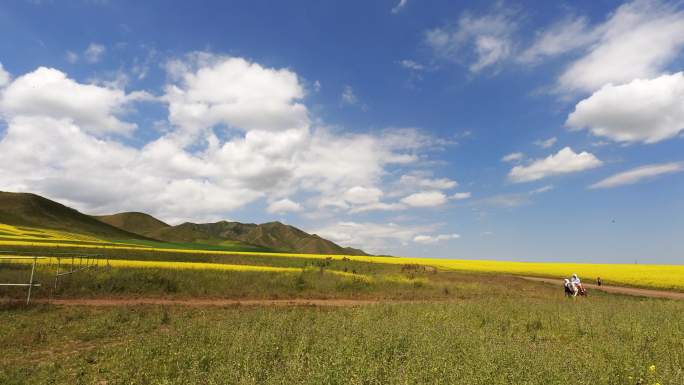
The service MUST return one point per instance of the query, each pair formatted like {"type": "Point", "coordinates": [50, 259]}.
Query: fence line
{"type": "Point", "coordinates": [78, 263]}
{"type": "Point", "coordinates": [31, 284]}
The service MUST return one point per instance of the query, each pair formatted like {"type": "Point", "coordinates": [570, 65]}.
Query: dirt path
{"type": "Point", "coordinates": [616, 289]}
{"type": "Point", "coordinates": [224, 302]}
{"type": "Point", "coordinates": [324, 302]}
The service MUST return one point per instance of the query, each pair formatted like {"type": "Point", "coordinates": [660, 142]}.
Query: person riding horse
{"type": "Point", "coordinates": [573, 286]}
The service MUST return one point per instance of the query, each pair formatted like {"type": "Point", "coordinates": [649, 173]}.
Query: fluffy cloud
{"type": "Point", "coordinates": [210, 90]}
{"type": "Point", "coordinates": [362, 195]}
{"type": "Point", "coordinates": [283, 206]}
{"type": "Point", "coordinates": [237, 133]}
{"type": "Point", "coordinates": [333, 163]}
{"type": "Point", "coordinates": [47, 92]}
{"type": "Point", "coordinates": [645, 111]}
{"type": "Point", "coordinates": [513, 157]}
{"type": "Point", "coordinates": [639, 174]}
{"type": "Point", "coordinates": [430, 239]}
{"type": "Point", "coordinates": [487, 37]}
{"type": "Point", "coordinates": [623, 49]}
{"type": "Point", "coordinates": [425, 199]}
{"type": "Point", "coordinates": [364, 199]}
{"type": "Point", "coordinates": [374, 237]}
{"type": "Point", "coordinates": [563, 162]}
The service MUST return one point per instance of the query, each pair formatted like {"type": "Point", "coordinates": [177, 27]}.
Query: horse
{"type": "Point", "coordinates": [569, 292]}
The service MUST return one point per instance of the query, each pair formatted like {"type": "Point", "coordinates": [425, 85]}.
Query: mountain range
{"type": "Point", "coordinates": [26, 209]}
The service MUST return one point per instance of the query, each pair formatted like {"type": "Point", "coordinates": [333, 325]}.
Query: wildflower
{"type": "Point", "coordinates": [652, 368]}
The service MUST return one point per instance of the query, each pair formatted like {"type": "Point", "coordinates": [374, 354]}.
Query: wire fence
{"type": "Point", "coordinates": [31, 283]}
{"type": "Point", "coordinates": [57, 265]}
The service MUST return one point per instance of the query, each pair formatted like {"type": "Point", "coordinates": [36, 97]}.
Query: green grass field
{"type": "Point", "coordinates": [489, 335]}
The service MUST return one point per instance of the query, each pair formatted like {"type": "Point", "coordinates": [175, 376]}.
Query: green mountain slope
{"type": "Point", "coordinates": [134, 222]}
{"type": "Point", "coordinates": [25, 209]}
{"type": "Point", "coordinates": [272, 235]}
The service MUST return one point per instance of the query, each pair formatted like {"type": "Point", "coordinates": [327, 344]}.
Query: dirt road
{"type": "Point", "coordinates": [333, 302]}
{"type": "Point", "coordinates": [224, 302]}
{"type": "Point", "coordinates": [616, 289]}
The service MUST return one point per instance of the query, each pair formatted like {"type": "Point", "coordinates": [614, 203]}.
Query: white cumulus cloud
{"type": "Point", "coordinates": [48, 92]}
{"type": "Point", "coordinates": [374, 237]}
{"type": "Point", "coordinates": [362, 195]}
{"type": "Point", "coordinates": [283, 206]}
{"type": "Point", "coordinates": [425, 199]}
{"type": "Point", "coordinates": [624, 48]}
{"type": "Point", "coordinates": [252, 97]}
{"type": "Point", "coordinates": [564, 162]}
{"type": "Point", "coordinates": [643, 110]}
{"type": "Point", "coordinates": [237, 132]}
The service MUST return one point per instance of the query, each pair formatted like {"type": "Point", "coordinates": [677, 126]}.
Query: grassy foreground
{"type": "Point", "coordinates": [497, 337]}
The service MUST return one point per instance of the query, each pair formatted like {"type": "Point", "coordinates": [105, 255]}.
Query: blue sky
{"type": "Point", "coordinates": [502, 130]}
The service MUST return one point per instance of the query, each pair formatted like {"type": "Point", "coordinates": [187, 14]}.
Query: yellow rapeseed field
{"type": "Point", "coordinates": [135, 264]}
{"type": "Point", "coordinates": [31, 233]}
{"type": "Point", "coordinates": [656, 276]}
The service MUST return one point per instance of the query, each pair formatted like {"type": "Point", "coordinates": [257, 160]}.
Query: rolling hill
{"type": "Point", "coordinates": [271, 235]}
{"type": "Point", "coordinates": [26, 209]}
{"type": "Point", "coordinates": [134, 222]}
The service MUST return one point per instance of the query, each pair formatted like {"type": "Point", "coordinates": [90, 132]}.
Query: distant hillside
{"type": "Point", "coordinates": [281, 236]}
{"type": "Point", "coordinates": [272, 235]}
{"type": "Point", "coordinates": [25, 209]}
{"type": "Point", "coordinates": [203, 232]}
{"type": "Point", "coordinates": [134, 222]}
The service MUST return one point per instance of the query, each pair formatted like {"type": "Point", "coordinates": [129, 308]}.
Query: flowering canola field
{"type": "Point", "coordinates": [655, 276]}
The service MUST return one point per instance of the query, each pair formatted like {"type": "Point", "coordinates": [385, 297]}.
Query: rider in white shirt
{"type": "Point", "coordinates": [576, 283]}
